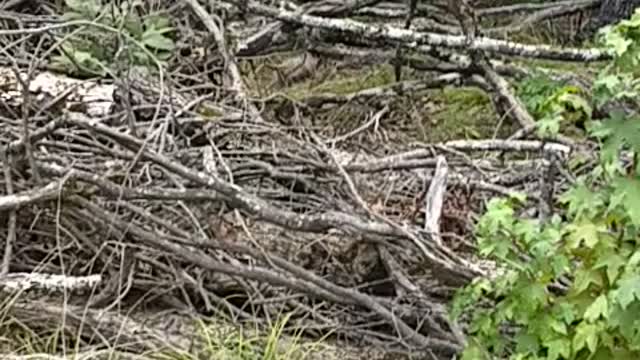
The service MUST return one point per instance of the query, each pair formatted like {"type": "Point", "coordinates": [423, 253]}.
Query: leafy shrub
{"type": "Point", "coordinates": [553, 103]}
{"type": "Point", "coordinates": [571, 285]}
{"type": "Point", "coordinates": [116, 32]}
{"type": "Point", "coordinates": [534, 91]}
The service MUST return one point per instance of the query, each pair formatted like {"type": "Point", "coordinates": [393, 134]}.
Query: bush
{"type": "Point", "coordinates": [571, 285]}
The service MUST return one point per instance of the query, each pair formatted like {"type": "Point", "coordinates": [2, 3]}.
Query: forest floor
{"type": "Point", "coordinates": [432, 116]}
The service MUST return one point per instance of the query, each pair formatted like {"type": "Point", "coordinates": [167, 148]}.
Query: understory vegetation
{"type": "Point", "coordinates": [226, 222]}
{"type": "Point", "coordinates": [571, 283]}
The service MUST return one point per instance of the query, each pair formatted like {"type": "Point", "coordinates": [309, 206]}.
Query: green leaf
{"type": "Point", "coordinates": [629, 191]}
{"type": "Point", "coordinates": [549, 125]}
{"type": "Point", "coordinates": [577, 102]}
{"type": "Point", "coordinates": [88, 8]}
{"type": "Point", "coordinates": [565, 312]}
{"type": "Point", "coordinates": [622, 354]}
{"type": "Point", "coordinates": [584, 278]}
{"type": "Point", "coordinates": [156, 40]}
{"type": "Point", "coordinates": [609, 82]}
{"type": "Point", "coordinates": [558, 349]}
{"type": "Point", "coordinates": [626, 320]}
{"type": "Point", "coordinates": [582, 201]}
{"type": "Point", "coordinates": [534, 295]}
{"type": "Point", "coordinates": [558, 326]}
{"type": "Point", "coordinates": [624, 129]}
{"type": "Point", "coordinates": [474, 352]}
{"type": "Point", "coordinates": [584, 232]}
{"type": "Point", "coordinates": [602, 354]}
{"type": "Point", "coordinates": [518, 196]}
{"type": "Point", "coordinates": [598, 309]}
{"type": "Point", "coordinates": [560, 265]}
{"type": "Point", "coordinates": [72, 16]}
{"type": "Point", "coordinates": [596, 241]}
{"type": "Point", "coordinates": [526, 230]}
{"type": "Point", "coordinates": [484, 325]}
{"type": "Point", "coordinates": [76, 5]}
{"type": "Point", "coordinates": [527, 344]}
{"type": "Point", "coordinates": [157, 22]}
{"type": "Point", "coordinates": [628, 290]}
{"type": "Point", "coordinates": [616, 200]}
{"type": "Point", "coordinates": [616, 42]}
{"type": "Point", "coordinates": [634, 260]}
{"type": "Point", "coordinates": [586, 336]}
{"type": "Point", "coordinates": [133, 25]}
{"type": "Point", "coordinates": [499, 214]}
{"type": "Point", "coordinates": [613, 262]}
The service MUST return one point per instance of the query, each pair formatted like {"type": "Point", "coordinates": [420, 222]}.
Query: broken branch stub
{"type": "Point", "coordinates": [434, 199]}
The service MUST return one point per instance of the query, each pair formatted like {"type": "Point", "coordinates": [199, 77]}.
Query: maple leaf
{"type": "Point", "coordinates": [582, 201]}
{"type": "Point", "coordinates": [628, 190]}
{"type": "Point", "coordinates": [620, 127]}
{"type": "Point", "coordinates": [527, 343]}
{"type": "Point", "coordinates": [628, 290]}
{"type": "Point", "coordinates": [584, 232]}
{"type": "Point", "coordinates": [613, 262]}
{"type": "Point", "coordinates": [558, 348]}
{"type": "Point", "coordinates": [626, 320]}
{"type": "Point", "coordinates": [585, 278]}
{"type": "Point", "coordinates": [586, 336]}
{"type": "Point", "coordinates": [599, 308]}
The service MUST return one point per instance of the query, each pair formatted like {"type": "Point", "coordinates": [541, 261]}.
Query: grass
{"type": "Point", "coordinates": [463, 113]}
{"type": "Point", "coordinates": [215, 340]}
{"type": "Point", "coordinates": [223, 342]}
{"type": "Point", "coordinates": [354, 81]}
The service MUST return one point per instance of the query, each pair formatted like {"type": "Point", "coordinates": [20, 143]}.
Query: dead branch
{"type": "Point", "coordinates": [423, 41]}
{"type": "Point", "coordinates": [212, 191]}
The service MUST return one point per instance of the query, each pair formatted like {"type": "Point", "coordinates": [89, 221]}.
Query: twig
{"type": "Point", "coordinates": [11, 228]}
{"type": "Point", "coordinates": [234, 76]}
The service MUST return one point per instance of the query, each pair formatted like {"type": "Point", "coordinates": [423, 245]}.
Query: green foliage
{"type": "Point", "coordinates": [621, 78]}
{"type": "Point", "coordinates": [535, 90]}
{"type": "Point", "coordinates": [571, 285]}
{"type": "Point", "coordinates": [553, 104]}
{"type": "Point", "coordinates": [119, 31]}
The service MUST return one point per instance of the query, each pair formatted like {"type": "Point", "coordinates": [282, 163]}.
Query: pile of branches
{"type": "Point", "coordinates": [126, 193]}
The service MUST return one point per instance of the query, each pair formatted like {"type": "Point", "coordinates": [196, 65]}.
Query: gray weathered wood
{"type": "Point", "coordinates": [434, 199]}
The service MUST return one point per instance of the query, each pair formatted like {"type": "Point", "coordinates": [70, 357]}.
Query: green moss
{"type": "Point", "coordinates": [437, 114]}
{"type": "Point", "coordinates": [430, 116]}
{"type": "Point", "coordinates": [462, 113]}
{"type": "Point", "coordinates": [344, 83]}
